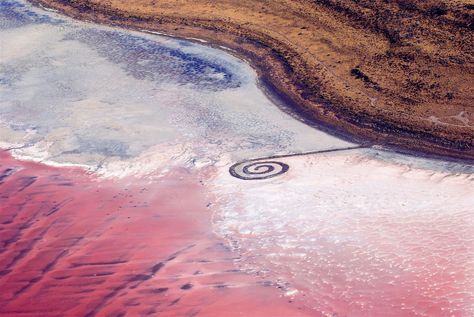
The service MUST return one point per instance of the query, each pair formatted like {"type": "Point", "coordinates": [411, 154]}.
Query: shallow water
{"type": "Point", "coordinates": [353, 232]}
{"type": "Point", "coordinates": [95, 95]}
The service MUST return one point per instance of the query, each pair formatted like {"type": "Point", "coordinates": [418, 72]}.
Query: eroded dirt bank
{"type": "Point", "coordinates": [396, 73]}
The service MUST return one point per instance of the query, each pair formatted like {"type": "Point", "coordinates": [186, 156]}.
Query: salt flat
{"type": "Point", "coordinates": [369, 233]}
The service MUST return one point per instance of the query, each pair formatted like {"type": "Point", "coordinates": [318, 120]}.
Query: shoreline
{"type": "Point", "coordinates": [319, 113]}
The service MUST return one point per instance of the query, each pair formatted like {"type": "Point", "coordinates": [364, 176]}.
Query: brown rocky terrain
{"type": "Point", "coordinates": [398, 73]}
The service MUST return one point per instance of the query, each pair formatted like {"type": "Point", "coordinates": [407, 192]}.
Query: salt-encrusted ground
{"type": "Point", "coordinates": [358, 233]}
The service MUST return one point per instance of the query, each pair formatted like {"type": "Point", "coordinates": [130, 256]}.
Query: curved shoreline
{"type": "Point", "coordinates": [287, 94]}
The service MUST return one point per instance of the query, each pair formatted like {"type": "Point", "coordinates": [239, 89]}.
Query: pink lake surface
{"type": "Point", "coordinates": [203, 243]}
{"type": "Point", "coordinates": [74, 245]}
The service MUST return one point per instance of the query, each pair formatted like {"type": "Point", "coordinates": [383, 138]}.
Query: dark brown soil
{"type": "Point", "coordinates": [398, 73]}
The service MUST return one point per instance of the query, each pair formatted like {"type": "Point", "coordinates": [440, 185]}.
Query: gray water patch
{"type": "Point", "coordinates": [412, 162]}
{"type": "Point", "coordinates": [146, 59]}
{"type": "Point", "coordinates": [14, 14]}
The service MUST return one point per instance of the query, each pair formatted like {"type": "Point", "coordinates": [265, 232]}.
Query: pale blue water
{"type": "Point", "coordinates": [79, 93]}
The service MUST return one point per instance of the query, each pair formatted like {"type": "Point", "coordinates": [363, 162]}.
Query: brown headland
{"type": "Point", "coordinates": [397, 73]}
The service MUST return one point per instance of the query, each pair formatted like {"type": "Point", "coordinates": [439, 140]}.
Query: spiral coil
{"type": "Point", "coordinates": [255, 170]}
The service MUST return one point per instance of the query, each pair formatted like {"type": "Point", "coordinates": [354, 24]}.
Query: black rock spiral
{"type": "Point", "coordinates": [261, 169]}
{"type": "Point", "coordinates": [254, 170]}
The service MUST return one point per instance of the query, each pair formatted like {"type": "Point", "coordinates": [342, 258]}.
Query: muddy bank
{"type": "Point", "coordinates": [342, 68]}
